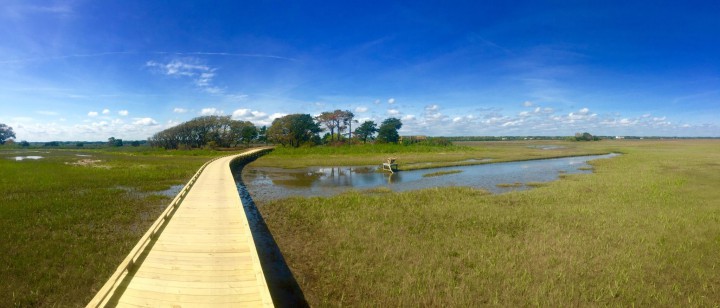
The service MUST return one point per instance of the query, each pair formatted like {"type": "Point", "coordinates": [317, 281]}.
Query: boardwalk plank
{"type": "Point", "coordinates": [205, 255]}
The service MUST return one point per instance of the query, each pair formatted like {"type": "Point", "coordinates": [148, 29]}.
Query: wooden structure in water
{"type": "Point", "coordinates": [390, 165]}
{"type": "Point", "coordinates": [198, 253]}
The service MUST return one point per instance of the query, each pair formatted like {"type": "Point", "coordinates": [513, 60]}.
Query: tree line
{"type": "Point", "coordinates": [206, 131]}
{"type": "Point", "coordinates": [290, 130]}
{"type": "Point", "coordinates": [298, 129]}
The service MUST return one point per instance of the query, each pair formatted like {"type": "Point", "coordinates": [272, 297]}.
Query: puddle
{"type": "Point", "coordinates": [172, 191]}
{"type": "Point", "coordinates": [83, 155]}
{"type": "Point", "coordinates": [266, 183]}
{"type": "Point", "coordinates": [31, 157]}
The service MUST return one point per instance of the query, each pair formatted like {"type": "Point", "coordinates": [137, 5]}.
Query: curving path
{"type": "Point", "coordinates": [202, 253]}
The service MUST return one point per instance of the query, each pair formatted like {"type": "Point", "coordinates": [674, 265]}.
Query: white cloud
{"type": "Point", "coordinates": [361, 109]}
{"type": "Point", "coordinates": [432, 108]}
{"type": "Point", "coordinates": [584, 111]}
{"type": "Point", "coordinates": [180, 110]}
{"type": "Point", "coordinates": [47, 113]}
{"type": "Point", "coordinates": [123, 112]}
{"type": "Point", "coordinates": [210, 111]}
{"type": "Point", "coordinates": [258, 118]}
{"type": "Point", "coordinates": [92, 114]}
{"type": "Point", "coordinates": [393, 111]}
{"type": "Point", "coordinates": [391, 101]}
{"type": "Point", "coordinates": [201, 75]}
{"type": "Point", "coordinates": [106, 111]}
{"type": "Point", "coordinates": [528, 104]}
{"type": "Point", "coordinates": [408, 117]}
{"type": "Point", "coordinates": [145, 121]}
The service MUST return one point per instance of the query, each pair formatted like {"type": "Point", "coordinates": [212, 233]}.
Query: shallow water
{"type": "Point", "coordinates": [19, 158]}
{"type": "Point", "coordinates": [266, 183]}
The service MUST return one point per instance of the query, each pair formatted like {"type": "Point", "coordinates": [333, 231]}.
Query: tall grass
{"type": "Point", "coordinates": [643, 230]}
{"type": "Point", "coordinates": [65, 227]}
{"type": "Point", "coordinates": [419, 156]}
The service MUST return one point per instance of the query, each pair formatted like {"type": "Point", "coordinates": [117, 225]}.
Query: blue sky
{"type": "Point", "coordinates": [89, 70]}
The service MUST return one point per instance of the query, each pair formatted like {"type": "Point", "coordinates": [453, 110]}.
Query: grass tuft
{"type": "Point", "coordinates": [439, 173]}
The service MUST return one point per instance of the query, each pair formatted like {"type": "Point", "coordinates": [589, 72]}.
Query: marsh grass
{"type": "Point", "coordinates": [509, 185]}
{"type": "Point", "coordinates": [412, 157]}
{"type": "Point", "coordinates": [642, 230]}
{"type": "Point", "coordinates": [66, 227]}
{"type": "Point", "coordinates": [440, 173]}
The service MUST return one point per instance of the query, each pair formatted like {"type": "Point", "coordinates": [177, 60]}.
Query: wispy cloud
{"type": "Point", "coordinates": [180, 110]}
{"type": "Point", "coordinates": [123, 112]}
{"type": "Point", "coordinates": [92, 114]}
{"type": "Point", "coordinates": [201, 74]}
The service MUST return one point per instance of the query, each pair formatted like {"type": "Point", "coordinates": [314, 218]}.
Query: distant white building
{"type": "Point", "coordinates": [619, 137]}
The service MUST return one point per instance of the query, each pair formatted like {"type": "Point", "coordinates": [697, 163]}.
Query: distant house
{"type": "Point", "coordinates": [619, 137]}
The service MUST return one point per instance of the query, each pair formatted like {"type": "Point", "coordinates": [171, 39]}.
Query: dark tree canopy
{"type": "Point", "coordinates": [112, 142]}
{"type": "Point", "coordinates": [366, 130]}
{"type": "Point", "coordinates": [388, 131]}
{"type": "Point", "coordinates": [6, 132]}
{"type": "Point", "coordinates": [293, 129]}
{"type": "Point", "coordinates": [212, 131]}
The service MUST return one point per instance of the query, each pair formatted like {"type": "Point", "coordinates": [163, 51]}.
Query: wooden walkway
{"type": "Point", "coordinates": [199, 253]}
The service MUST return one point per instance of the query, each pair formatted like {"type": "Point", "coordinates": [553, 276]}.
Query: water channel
{"type": "Point", "coordinates": [262, 183]}
{"type": "Point", "coordinates": [266, 183]}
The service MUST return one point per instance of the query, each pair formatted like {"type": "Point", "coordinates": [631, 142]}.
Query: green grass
{"type": "Point", "coordinates": [422, 156]}
{"type": "Point", "coordinates": [642, 230]}
{"type": "Point", "coordinates": [65, 228]}
{"type": "Point", "coordinates": [509, 185]}
{"type": "Point", "coordinates": [440, 173]}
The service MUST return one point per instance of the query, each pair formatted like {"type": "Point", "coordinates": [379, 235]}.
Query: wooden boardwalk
{"type": "Point", "coordinates": [199, 253]}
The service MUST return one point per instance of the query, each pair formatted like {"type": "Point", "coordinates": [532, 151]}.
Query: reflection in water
{"type": "Point", "coordinates": [272, 183]}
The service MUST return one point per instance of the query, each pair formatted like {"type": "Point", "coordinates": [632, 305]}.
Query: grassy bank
{"type": "Point", "coordinates": [69, 220]}
{"type": "Point", "coordinates": [644, 229]}
{"type": "Point", "coordinates": [423, 156]}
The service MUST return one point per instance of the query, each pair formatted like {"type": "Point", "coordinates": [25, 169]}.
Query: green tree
{"type": "Point", "coordinates": [366, 130]}
{"type": "Point", "coordinates": [243, 132]}
{"type": "Point", "coordinates": [6, 132]}
{"type": "Point", "coordinates": [112, 142]}
{"type": "Point", "coordinates": [585, 137]}
{"type": "Point", "coordinates": [388, 131]}
{"type": "Point", "coordinates": [329, 119]}
{"type": "Point", "coordinates": [347, 119]}
{"type": "Point", "coordinates": [293, 129]}
{"type": "Point", "coordinates": [262, 134]}
{"type": "Point", "coordinates": [24, 144]}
